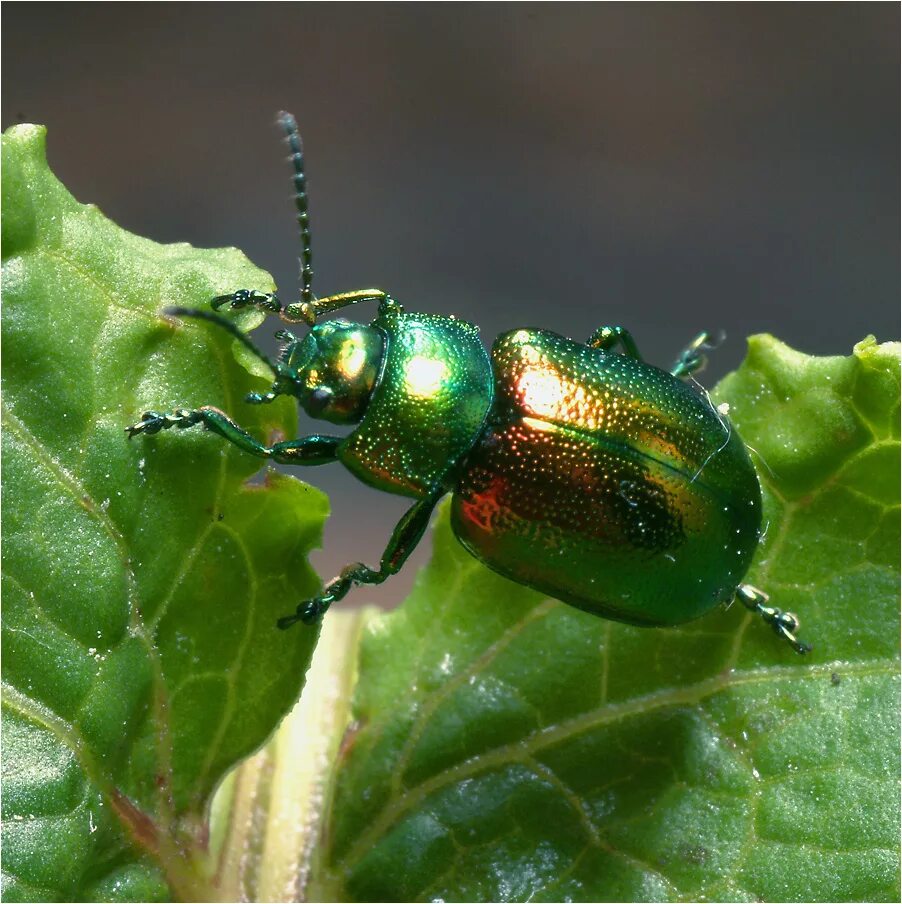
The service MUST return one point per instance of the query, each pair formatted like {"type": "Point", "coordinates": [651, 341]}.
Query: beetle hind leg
{"type": "Point", "coordinates": [692, 358]}
{"type": "Point", "coordinates": [404, 539]}
{"type": "Point", "coordinates": [784, 623]}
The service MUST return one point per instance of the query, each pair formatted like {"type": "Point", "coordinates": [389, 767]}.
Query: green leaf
{"type": "Point", "coordinates": [507, 747]}
{"type": "Point", "coordinates": [142, 579]}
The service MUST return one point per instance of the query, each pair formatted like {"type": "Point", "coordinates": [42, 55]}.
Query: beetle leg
{"type": "Point", "coordinates": [316, 449]}
{"type": "Point", "coordinates": [298, 312]}
{"type": "Point", "coordinates": [784, 623]}
{"type": "Point", "coordinates": [279, 368]}
{"type": "Point", "coordinates": [692, 359]}
{"type": "Point", "coordinates": [282, 386]}
{"type": "Point", "coordinates": [309, 311]}
{"type": "Point", "coordinates": [244, 298]}
{"type": "Point", "coordinates": [256, 398]}
{"type": "Point", "coordinates": [607, 337]}
{"type": "Point", "coordinates": [407, 534]}
{"type": "Point", "coordinates": [305, 311]}
{"type": "Point", "coordinates": [309, 450]}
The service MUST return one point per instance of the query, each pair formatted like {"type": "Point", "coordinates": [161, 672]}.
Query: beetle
{"type": "Point", "coordinates": [574, 468]}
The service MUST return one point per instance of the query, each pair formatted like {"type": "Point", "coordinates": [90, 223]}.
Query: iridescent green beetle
{"type": "Point", "coordinates": [586, 474]}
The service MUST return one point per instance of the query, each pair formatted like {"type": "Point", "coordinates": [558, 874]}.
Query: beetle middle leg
{"type": "Point", "coordinates": [309, 450]}
{"type": "Point", "coordinates": [607, 337]}
{"type": "Point", "coordinates": [407, 534]}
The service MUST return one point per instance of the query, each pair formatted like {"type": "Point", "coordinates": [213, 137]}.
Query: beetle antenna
{"type": "Point", "coordinates": [229, 327]}
{"type": "Point", "coordinates": [288, 123]}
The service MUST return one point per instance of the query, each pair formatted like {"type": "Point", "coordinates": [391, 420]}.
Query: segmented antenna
{"type": "Point", "coordinates": [287, 121]}
{"type": "Point", "coordinates": [230, 327]}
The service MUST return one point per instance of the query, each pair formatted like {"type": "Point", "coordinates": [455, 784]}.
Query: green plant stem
{"type": "Point", "coordinates": [267, 816]}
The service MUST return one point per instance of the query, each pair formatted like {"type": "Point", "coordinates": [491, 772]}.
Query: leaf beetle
{"type": "Point", "coordinates": [584, 473]}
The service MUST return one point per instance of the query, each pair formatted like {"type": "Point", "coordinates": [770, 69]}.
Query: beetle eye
{"type": "Point", "coordinates": [320, 398]}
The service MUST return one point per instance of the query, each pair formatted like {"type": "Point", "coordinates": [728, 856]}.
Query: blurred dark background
{"type": "Point", "coordinates": [667, 168]}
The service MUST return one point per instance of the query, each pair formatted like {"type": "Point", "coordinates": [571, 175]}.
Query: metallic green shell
{"type": "Point", "coordinates": [427, 408]}
{"type": "Point", "coordinates": [608, 484]}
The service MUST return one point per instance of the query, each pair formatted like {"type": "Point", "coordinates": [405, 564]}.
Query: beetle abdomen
{"type": "Point", "coordinates": [608, 484]}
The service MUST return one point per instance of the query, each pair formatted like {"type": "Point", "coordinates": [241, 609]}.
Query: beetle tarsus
{"type": "Point", "coordinates": [278, 368]}
{"type": "Point", "coordinates": [693, 359]}
{"type": "Point", "coordinates": [244, 298]}
{"type": "Point", "coordinates": [153, 422]}
{"type": "Point", "coordinates": [255, 398]}
{"type": "Point", "coordinates": [783, 623]}
{"type": "Point", "coordinates": [310, 612]}
{"type": "Point", "coordinates": [786, 624]}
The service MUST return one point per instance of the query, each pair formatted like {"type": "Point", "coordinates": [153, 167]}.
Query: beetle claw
{"type": "Point", "coordinates": [310, 612]}
{"type": "Point", "coordinates": [244, 298]}
{"type": "Point", "coordinates": [784, 623]}
{"type": "Point", "coordinates": [239, 299]}
{"type": "Point", "coordinates": [151, 422]}
{"type": "Point", "coordinates": [255, 398]}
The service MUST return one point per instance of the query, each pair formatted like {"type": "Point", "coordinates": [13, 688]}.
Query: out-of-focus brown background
{"type": "Point", "coordinates": [667, 168]}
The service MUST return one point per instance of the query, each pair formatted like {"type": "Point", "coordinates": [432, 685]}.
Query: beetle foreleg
{"type": "Point", "coordinates": [278, 368]}
{"type": "Point", "coordinates": [309, 311]}
{"type": "Point", "coordinates": [784, 623]}
{"type": "Point", "coordinates": [255, 398]}
{"type": "Point", "coordinates": [304, 311]}
{"type": "Point", "coordinates": [607, 337]}
{"type": "Point", "coordinates": [309, 450]}
{"type": "Point", "coordinates": [245, 298]}
{"type": "Point", "coordinates": [265, 301]}
{"type": "Point", "coordinates": [404, 539]}
{"type": "Point", "coordinates": [316, 449]}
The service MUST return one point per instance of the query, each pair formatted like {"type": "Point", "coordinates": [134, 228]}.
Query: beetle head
{"type": "Point", "coordinates": [336, 366]}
